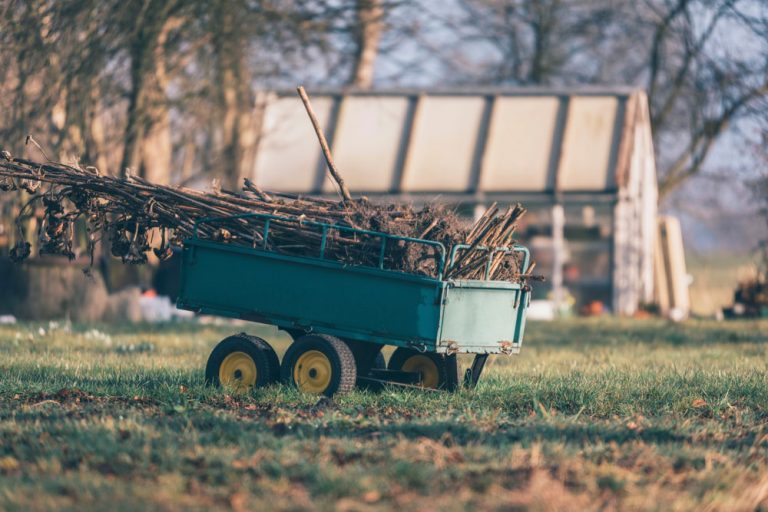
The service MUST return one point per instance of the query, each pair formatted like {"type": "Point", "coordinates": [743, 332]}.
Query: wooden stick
{"type": "Point", "coordinates": [249, 185]}
{"type": "Point", "coordinates": [324, 145]}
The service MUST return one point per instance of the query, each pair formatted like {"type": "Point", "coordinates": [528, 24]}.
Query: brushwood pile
{"type": "Point", "coordinates": [132, 217]}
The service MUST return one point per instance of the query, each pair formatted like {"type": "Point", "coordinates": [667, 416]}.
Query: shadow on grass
{"type": "Point", "coordinates": [524, 433]}
{"type": "Point", "coordinates": [450, 432]}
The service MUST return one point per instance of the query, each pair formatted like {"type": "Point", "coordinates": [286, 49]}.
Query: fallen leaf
{"type": "Point", "coordinates": [371, 496]}
{"type": "Point", "coordinates": [8, 464]}
{"type": "Point", "coordinates": [238, 501]}
{"type": "Point", "coordinates": [240, 464]}
{"type": "Point", "coordinates": [699, 403]}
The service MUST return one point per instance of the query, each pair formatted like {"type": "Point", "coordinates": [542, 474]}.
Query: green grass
{"type": "Point", "coordinates": [594, 414]}
{"type": "Point", "coordinates": [715, 278]}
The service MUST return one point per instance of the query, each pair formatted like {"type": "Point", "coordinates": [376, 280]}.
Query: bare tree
{"type": "Point", "coordinates": [147, 148]}
{"type": "Point", "coordinates": [529, 42]}
{"type": "Point", "coordinates": [26, 40]}
{"type": "Point", "coordinates": [702, 61]}
{"type": "Point", "coordinates": [367, 34]}
{"type": "Point", "coordinates": [706, 70]}
{"type": "Point", "coordinates": [234, 94]}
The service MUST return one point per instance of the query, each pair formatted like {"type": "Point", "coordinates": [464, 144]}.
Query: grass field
{"type": "Point", "coordinates": [594, 414]}
{"type": "Point", "coordinates": [715, 277]}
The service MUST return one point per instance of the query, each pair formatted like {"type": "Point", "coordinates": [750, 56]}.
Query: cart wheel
{"type": "Point", "coordinates": [432, 367]}
{"type": "Point", "coordinates": [274, 362]}
{"type": "Point", "coordinates": [319, 364]}
{"type": "Point", "coordinates": [241, 362]}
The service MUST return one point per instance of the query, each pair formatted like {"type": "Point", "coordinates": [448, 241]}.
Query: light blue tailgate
{"type": "Point", "coordinates": [482, 317]}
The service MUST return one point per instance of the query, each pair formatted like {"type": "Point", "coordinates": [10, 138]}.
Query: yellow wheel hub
{"type": "Point", "coordinates": [312, 372]}
{"type": "Point", "coordinates": [238, 371]}
{"type": "Point", "coordinates": [430, 375]}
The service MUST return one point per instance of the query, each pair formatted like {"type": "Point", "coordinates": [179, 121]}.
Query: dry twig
{"type": "Point", "coordinates": [124, 212]}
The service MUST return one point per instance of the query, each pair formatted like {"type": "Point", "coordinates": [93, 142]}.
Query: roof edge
{"type": "Point", "coordinates": [606, 90]}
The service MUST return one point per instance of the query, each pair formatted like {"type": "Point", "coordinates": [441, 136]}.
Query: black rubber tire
{"type": "Point", "coordinates": [264, 357]}
{"type": "Point", "coordinates": [401, 355]}
{"type": "Point", "coordinates": [343, 367]}
{"type": "Point", "coordinates": [274, 361]}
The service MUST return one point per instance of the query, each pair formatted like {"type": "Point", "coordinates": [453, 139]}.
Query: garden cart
{"type": "Point", "coordinates": [340, 315]}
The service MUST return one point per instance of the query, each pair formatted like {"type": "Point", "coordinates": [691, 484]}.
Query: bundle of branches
{"type": "Point", "coordinates": [127, 213]}
{"type": "Point", "coordinates": [489, 241]}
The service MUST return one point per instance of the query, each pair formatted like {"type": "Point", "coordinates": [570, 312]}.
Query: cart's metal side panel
{"type": "Point", "coordinates": [482, 317]}
{"type": "Point", "coordinates": [291, 292]}
{"type": "Point", "coordinates": [525, 301]}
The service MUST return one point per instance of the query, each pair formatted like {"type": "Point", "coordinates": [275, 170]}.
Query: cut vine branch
{"type": "Point", "coordinates": [134, 217]}
{"type": "Point", "coordinates": [324, 146]}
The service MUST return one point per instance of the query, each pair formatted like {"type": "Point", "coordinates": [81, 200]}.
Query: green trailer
{"type": "Point", "coordinates": [341, 315]}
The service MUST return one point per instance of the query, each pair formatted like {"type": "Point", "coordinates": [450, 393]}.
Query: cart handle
{"type": "Point", "coordinates": [385, 237]}
{"type": "Point", "coordinates": [491, 253]}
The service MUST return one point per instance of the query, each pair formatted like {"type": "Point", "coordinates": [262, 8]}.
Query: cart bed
{"type": "Point", "coordinates": [361, 303]}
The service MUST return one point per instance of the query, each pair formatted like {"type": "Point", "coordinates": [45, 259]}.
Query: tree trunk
{"type": "Point", "coordinates": [156, 144]}
{"type": "Point", "coordinates": [367, 37]}
{"type": "Point", "coordinates": [235, 97]}
{"type": "Point", "coordinates": [95, 150]}
{"type": "Point", "coordinates": [147, 149]}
